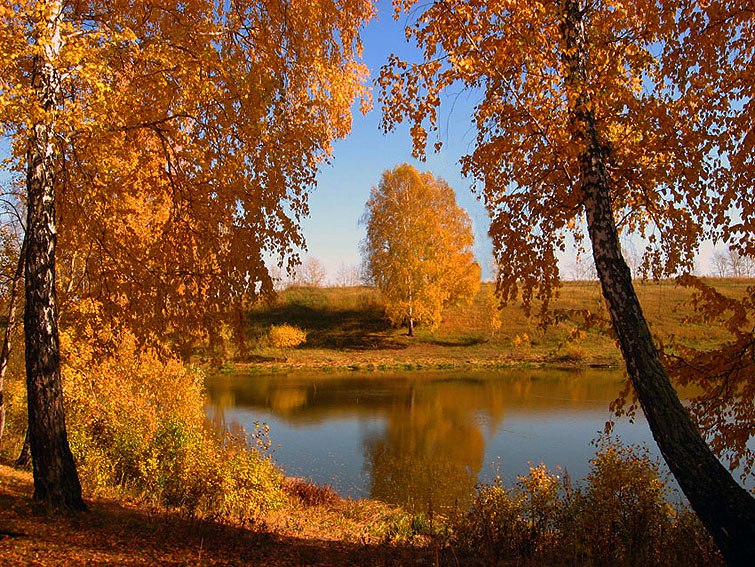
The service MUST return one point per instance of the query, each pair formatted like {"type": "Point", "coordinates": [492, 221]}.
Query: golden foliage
{"type": "Point", "coordinates": [723, 408]}
{"type": "Point", "coordinates": [493, 309]}
{"type": "Point", "coordinates": [286, 336]}
{"type": "Point", "coordinates": [619, 517]}
{"type": "Point", "coordinates": [136, 423]}
{"type": "Point", "coordinates": [652, 117]}
{"type": "Point", "coordinates": [522, 342]}
{"type": "Point", "coordinates": [625, 508]}
{"type": "Point", "coordinates": [189, 136]}
{"type": "Point", "coordinates": [418, 247]}
{"type": "Point", "coordinates": [710, 59]}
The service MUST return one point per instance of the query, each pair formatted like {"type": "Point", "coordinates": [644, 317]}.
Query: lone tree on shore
{"type": "Point", "coordinates": [418, 249]}
{"type": "Point", "coordinates": [594, 119]}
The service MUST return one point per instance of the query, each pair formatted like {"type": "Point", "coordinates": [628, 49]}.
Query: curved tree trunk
{"type": "Point", "coordinates": [56, 482]}
{"type": "Point", "coordinates": [725, 508]}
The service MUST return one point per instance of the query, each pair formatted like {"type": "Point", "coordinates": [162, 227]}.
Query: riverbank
{"type": "Point", "coordinates": [536, 523]}
{"type": "Point", "coordinates": [412, 358]}
{"type": "Point", "coordinates": [347, 331]}
{"type": "Point", "coordinates": [125, 532]}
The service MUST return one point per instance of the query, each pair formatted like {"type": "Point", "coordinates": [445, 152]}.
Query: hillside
{"type": "Point", "coordinates": [346, 328]}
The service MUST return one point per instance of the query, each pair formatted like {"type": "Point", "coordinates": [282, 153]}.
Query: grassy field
{"type": "Point", "coordinates": [346, 328]}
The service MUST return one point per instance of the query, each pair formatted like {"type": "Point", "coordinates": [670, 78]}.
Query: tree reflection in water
{"type": "Point", "coordinates": [419, 439]}
{"type": "Point", "coordinates": [430, 454]}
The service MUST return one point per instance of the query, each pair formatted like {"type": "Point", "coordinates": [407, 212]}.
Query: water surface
{"type": "Point", "coordinates": [424, 439]}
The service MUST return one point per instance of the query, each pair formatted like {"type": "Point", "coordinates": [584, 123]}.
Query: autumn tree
{"type": "Point", "coordinates": [418, 248]}
{"type": "Point", "coordinates": [711, 56]}
{"type": "Point", "coordinates": [167, 148]}
{"type": "Point", "coordinates": [582, 129]}
{"type": "Point", "coordinates": [11, 283]}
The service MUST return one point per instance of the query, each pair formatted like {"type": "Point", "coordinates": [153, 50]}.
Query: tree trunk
{"type": "Point", "coordinates": [5, 353]}
{"type": "Point", "coordinates": [24, 457]}
{"type": "Point", "coordinates": [410, 323]}
{"type": "Point", "coordinates": [56, 482]}
{"type": "Point", "coordinates": [725, 508]}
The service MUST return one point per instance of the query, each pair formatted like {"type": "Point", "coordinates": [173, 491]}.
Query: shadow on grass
{"type": "Point", "coordinates": [113, 534]}
{"type": "Point", "coordinates": [256, 358]}
{"type": "Point", "coordinates": [330, 327]}
{"type": "Point", "coordinates": [462, 342]}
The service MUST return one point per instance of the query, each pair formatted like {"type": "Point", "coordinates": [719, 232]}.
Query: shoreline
{"type": "Point", "coordinates": [286, 366]}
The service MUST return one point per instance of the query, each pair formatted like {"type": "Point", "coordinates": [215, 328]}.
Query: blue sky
{"type": "Point", "coordinates": [332, 230]}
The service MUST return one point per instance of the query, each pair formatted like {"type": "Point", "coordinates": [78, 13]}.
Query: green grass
{"type": "Point", "coordinates": [347, 329]}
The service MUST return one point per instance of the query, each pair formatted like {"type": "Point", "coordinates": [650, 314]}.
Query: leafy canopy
{"type": "Point", "coordinates": [189, 135]}
{"type": "Point", "coordinates": [526, 157]}
{"type": "Point", "coordinates": [670, 86]}
{"type": "Point", "coordinates": [418, 248]}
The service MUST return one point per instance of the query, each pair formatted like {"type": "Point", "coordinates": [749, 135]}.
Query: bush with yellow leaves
{"type": "Point", "coordinates": [508, 523]}
{"type": "Point", "coordinates": [136, 424]}
{"type": "Point", "coordinates": [286, 336]}
{"type": "Point", "coordinates": [522, 342]}
{"type": "Point", "coordinates": [620, 517]}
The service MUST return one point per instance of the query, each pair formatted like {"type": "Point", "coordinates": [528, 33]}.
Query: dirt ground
{"type": "Point", "coordinates": [118, 533]}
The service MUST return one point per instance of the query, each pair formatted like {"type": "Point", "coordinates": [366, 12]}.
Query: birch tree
{"type": "Point", "coordinates": [167, 147]}
{"type": "Point", "coordinates": [581, 129]}
{"type": "Point", "coordinates": [418, 248]}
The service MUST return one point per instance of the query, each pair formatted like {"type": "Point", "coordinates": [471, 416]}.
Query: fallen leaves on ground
{"type": "Point", "coordinates": [121, 533]}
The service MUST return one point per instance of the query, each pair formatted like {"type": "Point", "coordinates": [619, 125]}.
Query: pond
{"type": "Point", "coordinates": [424, 439]}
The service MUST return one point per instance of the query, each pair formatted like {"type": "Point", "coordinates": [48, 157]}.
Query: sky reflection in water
{"type": "Point", "coordinates": [424, 439]}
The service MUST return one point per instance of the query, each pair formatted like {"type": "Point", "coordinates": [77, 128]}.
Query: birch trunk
{"type": "Point", "coordinates": [725, 508]}
{"type": "Point", "coordinates": [56, 481]}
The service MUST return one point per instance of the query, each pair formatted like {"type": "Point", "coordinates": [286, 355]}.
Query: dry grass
{"type": "Point", "coordinates": [347, 329]}
{"type": "Point", "coordinates": [125, 533]}
{"type": "Point", "coordinates": [534, 524]}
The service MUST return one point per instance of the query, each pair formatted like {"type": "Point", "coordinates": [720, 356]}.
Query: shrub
{"type": "Point", "coordinates": [624, 508]}
{"type": "Point", "coordinates": [571, 352]}
{"type": "Point", "coordinates": [513, 523]}
{"type": "Point", "coordinates": [137, 424]}
{"type": "Point", "coordinates": [494, 524]}
{"type": "Point", "coordinates": [623, 517]}
{"type": "Point", "coordinates": [539, 490]}
{"type": "Point", "coordinates": [286, 336]}
{"type": "Point", "coordinates": [311, 494]}
{"type": "Point", "coordinates": [522, 343]}
{"type": "Point", "coordinates": [620, 517]}
{"type": "Point", "coordinates": [398, 527]}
